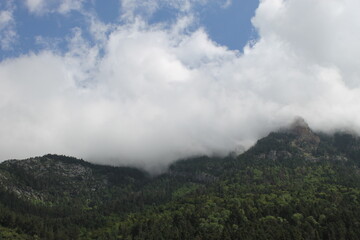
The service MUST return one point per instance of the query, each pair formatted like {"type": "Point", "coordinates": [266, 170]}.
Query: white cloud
{"type": "Point", "coordinates": [227, 3]}
{"type": "Point", "coordinates": [134, 9]}
{"type": "Point", "coordinates": [323, 32]}
{"type": "Point", "coordinates": [147, 95]}
{"type": "Point", "coordinates": [8, 35]}
{"type": "Point", "coordinates": [130, 8]}
{"type": "Point", "coordinates": [70, 5]}
{"type": "Point", "coordinates": [35, 5]}
{"type": "Point", "coordinates": [5, 18]}
{"type": "Point", "coordinates": [41, 7]}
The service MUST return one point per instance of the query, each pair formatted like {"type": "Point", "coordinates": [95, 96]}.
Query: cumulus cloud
{"type": "Point", "coordinates": [146, 95]}
{"type": "Point", "coordinates": [41, 7]}
{"type": "Point", "coordinates": [323, 32]}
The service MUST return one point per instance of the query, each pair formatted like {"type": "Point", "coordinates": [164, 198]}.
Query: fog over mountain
{"type": "Point", "coordinates": [147, 94]}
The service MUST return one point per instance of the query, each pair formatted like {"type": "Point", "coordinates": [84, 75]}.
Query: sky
{"type": "Point", "coordinates": [31, 25]}
{"type": "Point", "coordinates": [146, 82]}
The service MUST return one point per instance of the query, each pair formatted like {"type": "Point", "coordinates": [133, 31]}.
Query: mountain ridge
{"type": "Point", "coordinates": [294, 141]}
{"type": "Point", "coordinates": [291, 180]}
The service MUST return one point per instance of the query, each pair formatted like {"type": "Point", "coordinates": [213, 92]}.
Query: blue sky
{"type": "Point", "coordinates": [227, 24]}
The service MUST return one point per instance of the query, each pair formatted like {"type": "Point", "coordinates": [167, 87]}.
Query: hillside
{"type": "Point", "coordinates": [292, 184]}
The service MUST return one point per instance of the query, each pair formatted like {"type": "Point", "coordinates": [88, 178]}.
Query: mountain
{"type": "Point", "coordinates": [292, 184]}
{"type": "Point", "coordinates": [52, 178]}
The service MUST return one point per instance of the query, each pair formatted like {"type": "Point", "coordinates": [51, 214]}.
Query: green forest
{"type": "Point", "coordinates": [292, 184]}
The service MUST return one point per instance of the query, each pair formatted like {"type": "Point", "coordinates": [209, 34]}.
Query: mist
{"type": "Point", "coordinates": [148, 94]}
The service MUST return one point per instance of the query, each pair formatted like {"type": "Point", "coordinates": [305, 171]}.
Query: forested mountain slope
{"type": "Point", "coordinates": [292, 184]}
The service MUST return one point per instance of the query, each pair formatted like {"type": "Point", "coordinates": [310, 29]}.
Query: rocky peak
{"type": "Point", "coordinates": [305, 137]}
{"type": "Point", "coordinates": [299, 126]}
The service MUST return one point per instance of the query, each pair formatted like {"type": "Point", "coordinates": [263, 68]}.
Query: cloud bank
{"type": "Point", "coordinates": [146, 95]}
